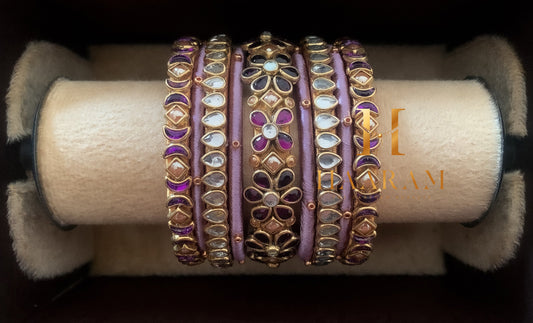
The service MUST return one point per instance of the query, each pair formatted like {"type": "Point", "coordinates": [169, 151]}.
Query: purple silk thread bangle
{"type": "Point", "coordinates": [197, 150]}
{"type": "Point", "coordinates": [307, 162]}
{"type": "Point", "coordinates": [346, 149]}
{"type": "Point", "coordinates": [235, 156]}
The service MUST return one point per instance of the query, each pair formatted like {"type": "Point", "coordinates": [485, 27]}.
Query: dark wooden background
{"type": "Point", "coordinates": [464, 295]}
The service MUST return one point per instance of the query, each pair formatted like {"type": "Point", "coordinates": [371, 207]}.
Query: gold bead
{"type": "Point", "coordinates": [235, 144]}
{"type": "Point", "coordinates": [238, 57]}
{"type": "Point", "coordinates": [347, 121]}
{"type": "Point", "coordinates": [237, 238]}
{"type": "Point", "coordinates": [197, 181]}
{"type": "Point", "coordinates": [347, 214]}
{"type": "Point", "coordinates": [255, 161]}
{"type": "Point", "coordinates": [311, 205]}
{"type": "Point", "coordinates": [306, 103]}
{"type": "Point", "coordinates": [291, 161]}
{"type": "Point", "coordinates": [198, 79]}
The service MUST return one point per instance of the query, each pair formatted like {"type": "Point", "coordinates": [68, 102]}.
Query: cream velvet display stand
{"type": "Point", "coordinates": [99, 144]}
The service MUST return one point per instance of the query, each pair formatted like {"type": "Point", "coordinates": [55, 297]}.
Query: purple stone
{"type": "Point", "coordinates": [178, 59]}
{"type": "Point", "coordinates": [176, 98]}
{"type": "Point", "coordinates": [367, 105]}
{"type": "Point", "coordinates": [284, 117]}
{"type": "Point", "coordinates": [374, 142]}
{"type": "Point", "coordinates": [283, 59]}
{"type": "Point", "coordinates": [293, 195]}
{"type": "Point", "coordinates": [259, 143]}
{"type": "Point", "coordinates": [359, 64]}
{"type": "Point", "coordinates": [284, 140]}
{"type": "Point", "coordinates": [284, 237]}
{"type": "Point", "coordinates": [348, 42]}
{"type": "Point", "coordinates": [283, 213]}
{"type": "Point", "coordinates": [253, 194]}
{"type": "Point", "coordinates": [187, 258]}
{"type": "Point", "coordinates": [185, 39]}
{"type": "Point", "coordinates": [262, 237]}
{"type": "Point", "coordinates": [367, 160]}
{"type": "Point", "coordinates": [250, 71]}
{"type": "Point", "coordinates": [283, 84]}
{"type": "Point", "coordinates": [258, 59]}
{"type": "Point", "coordinates": [178, 200]}
{"type": "Point", "coordinates": [285, 178]}
{"type": "Point", "coordinates": [291, 71]}
{"type": "Point", "coordinates": [175, 150]}
{"type": "Point", "coordinates": [181, 231]}
{"type": "Point", "coordinates": [261, 213]}
{"type": "Point", "coordinates": [366, 212]}
{"type": "Point", "coordinates": [179, 187]}
{"type": "Point", "coordinates": [368, 198]}
{"type": "Point", "coordinates": [260, 83]}
{"type": "Point", "coordinates": [182, 50]}
{"type": "Point", "coordinates": [365, 248]}
{"type": "Point", "coordinates": [177, 85]}
{"type": "Point", "coordinates": [262, 180]}
{"type": "Point", "coordinates": [258, 118]}
{"type": "Point", "coordinates": [291, 244]}
{"type": "Point", "coordinates": [362, 240]}
{"type": "Point", "coordinates": [253, 244]}
{"type": "Point", "coordinates": [176, 134]}
{"type": "Point", "coordinates": [363, 93]}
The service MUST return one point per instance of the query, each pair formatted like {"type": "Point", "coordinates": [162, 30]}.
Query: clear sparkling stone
{"type": "Point", "coordinates": [329, 198]}
{"type": "Point", "coordinates": [271, 65]}
{"type": "Point", "coordinates": [327, 243]}
{"type": "Point", "coordinates": [273, 163]}
{"type": "Point", "coordinates": [327, 177]}
{"type": "Point", "coordinates": [214, 68]}
{"type": "Point", "coordinates": [328, 229]}
{"type": "Point", "coordinates": [271, 199]}
{"type": "Point", "coordinates": [214, 120]}
{"type": "Point", "coordinates": [329, 215]}
{"type": "Point", "coordinates": [215, 139]}
{"type": "Point", "coordinates": [328, 160]}
{"type": "Point", "coordinates": [218, 254]}
{"type": "Point", "coordinates": [327, 140]}
{"type": "Point", "coordinates": [362, 77]}
{"type": "Point", "coordinates": [270, 131]}
{"type": "Point", "coordinates": [315, 57]}
{"type": "Point", "coordinates": [216, 55]}
{"type": "Point", "coordinates": [214, 159]}
{"type": "Point", "coordinates": [326, 121]}
{"type": "Point", "coordinates": [272, 251]}
{"type": "Point", "coordinates": [216, 230]}
{"type": "Point", "coordinates": [214, 198]}
{"type": "Point", "coordinates": [217, 243]}
{"type": "Point", "coordinates": [215, 82]}
{"type": "Point", "coordinates": [372, 124]}
{"type": "Point", "coordinates": [215, 179]}
{"type": "Point", "coordinates": [325, 102]}
{"type": "Point", "coordinates": [214, 100]}
{"type": "Point", "coordinates": [321, 69]}
{"type": "Point", "coordinates": [215, 215]}
{"type": "Point", "coordinates": [323, 84]}
{"type": "Point", "coordinates": [179, 70]}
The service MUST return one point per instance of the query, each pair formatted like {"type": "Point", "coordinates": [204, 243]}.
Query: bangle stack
{"type": "Point", "coordinates": [203, 112]}
{"type": "Point", "coordinates": [366, 164]}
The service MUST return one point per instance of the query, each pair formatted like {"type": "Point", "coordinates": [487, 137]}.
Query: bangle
{"type": "Point", "coordinates": [177, 154]}
{"type": "Point", "coordinates": [214, 142]}
{"type": "Point", "coordinates": [366, 164]}
{"type": "Point", "coordinates": [271, 76]}
{"type": "Point", "coordinates": [324, 105]}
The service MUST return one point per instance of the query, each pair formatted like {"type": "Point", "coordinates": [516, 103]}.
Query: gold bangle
{"type": "Point", "coordinates": [271, 77]}
{"type": "Point", "coordinates": [215, 180]}
{"type": "Point", "coordinates": [366, 164]}
{"type": "Point", "coordinates": [177, 154]}
{"type": "Point", "coordinates": [324, 104]}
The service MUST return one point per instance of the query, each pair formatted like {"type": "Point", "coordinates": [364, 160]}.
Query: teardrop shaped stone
{"type": "Point", "coordinates": [216, 230]}
{"type": "Point", "coordinates": [215, 82]}
{"type": "Point", "coordinates": [214, 100]}
{"type": "Point", "coordinates": [215, 215]}
{"type": "Point", "coordinates": [253, 194]}
{"type": "Point", "coordinates": [252, 244]}
{"type": "Point", "coordinates": [283, 84]}
{"type": "Point", "coordinates": [326, 140]}
{"type": "Point", "coordinates": [217, 243]}
{"type": "Point", "coordinates": [260, 213]}
{"type": "Point", "coordinates": [258, 59]}
{"type": "Point", "coordinates": [214, 159]}
{"type": "Point", "coordinates": [250, 71]}
{"type": "Point", "coordinates": [291, 71]}
{"type": "Point", "coordinates": [262, 237]}
{"type": "Point", "coordinates": [285, 178]}
{"type": "Point", "coordinates": [284, 117]}
{"type": "Point", "coordinates": [259, 143]}
{"type": "Point", "coordinates": [214, 198]}
{"type": "Point", "coordinates": [285, 141]}
{"type": "Point", "coordinates": [293, 195]}
{"type": "Point", "coordinates": [260, 83]}
{"type": "Point", "coordinates": [283, 213]}
{"type": "Point", "coordinates": [215, 139]}
{"type": "Point", "coordinates": [325, 102]}
{"type": "Point", "coordinates": [284, 237]}
{"type": "Point", "coordinates": [322, 83]}
{"type": "Point", "coordinates": [326, 121]}
{"type": "Point", "coordinates": [316, 57]}
{"type": "Point", "coordinates": [321, 68]}
{"type": "Point", "coordinates": [214, 68]}
{"type": "Point", "coordinates": [328, 160]}
{"type": "Point", "coordinates": [216, 55]}
{"type": "Point", "coordinates": [215, 179]}
{"type": "Point", "coordinates": [262, 179]}
{"type": "Point", "coordinates": [328, 229]}
{"type": "Point", "coordinates": [329, 215]}
{"type": "Point", "coordinates": [214, 119]}
{"type": "Point", "coordinates": [327, 178]}
{"type": "Point", "coordinates": [327, 242]}
{"type": "Point", "coordinates": [258, 118]}
{"type": "Point", "coordinates": [328, 198]}
{"type": "Point", "coordinates": [283, 59]}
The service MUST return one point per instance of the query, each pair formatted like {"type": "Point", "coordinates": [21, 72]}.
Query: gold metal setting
{"type": "Point", "coordinates": [324, 104]}
{"type": "Point", "coordinates": [215, 87]}
{"type": "Point", "coordinates": [271, 75]}
{"type": "Point", "coordinates": [177, 155]}
{"type": "Point", "coordinates": [366, 141]}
